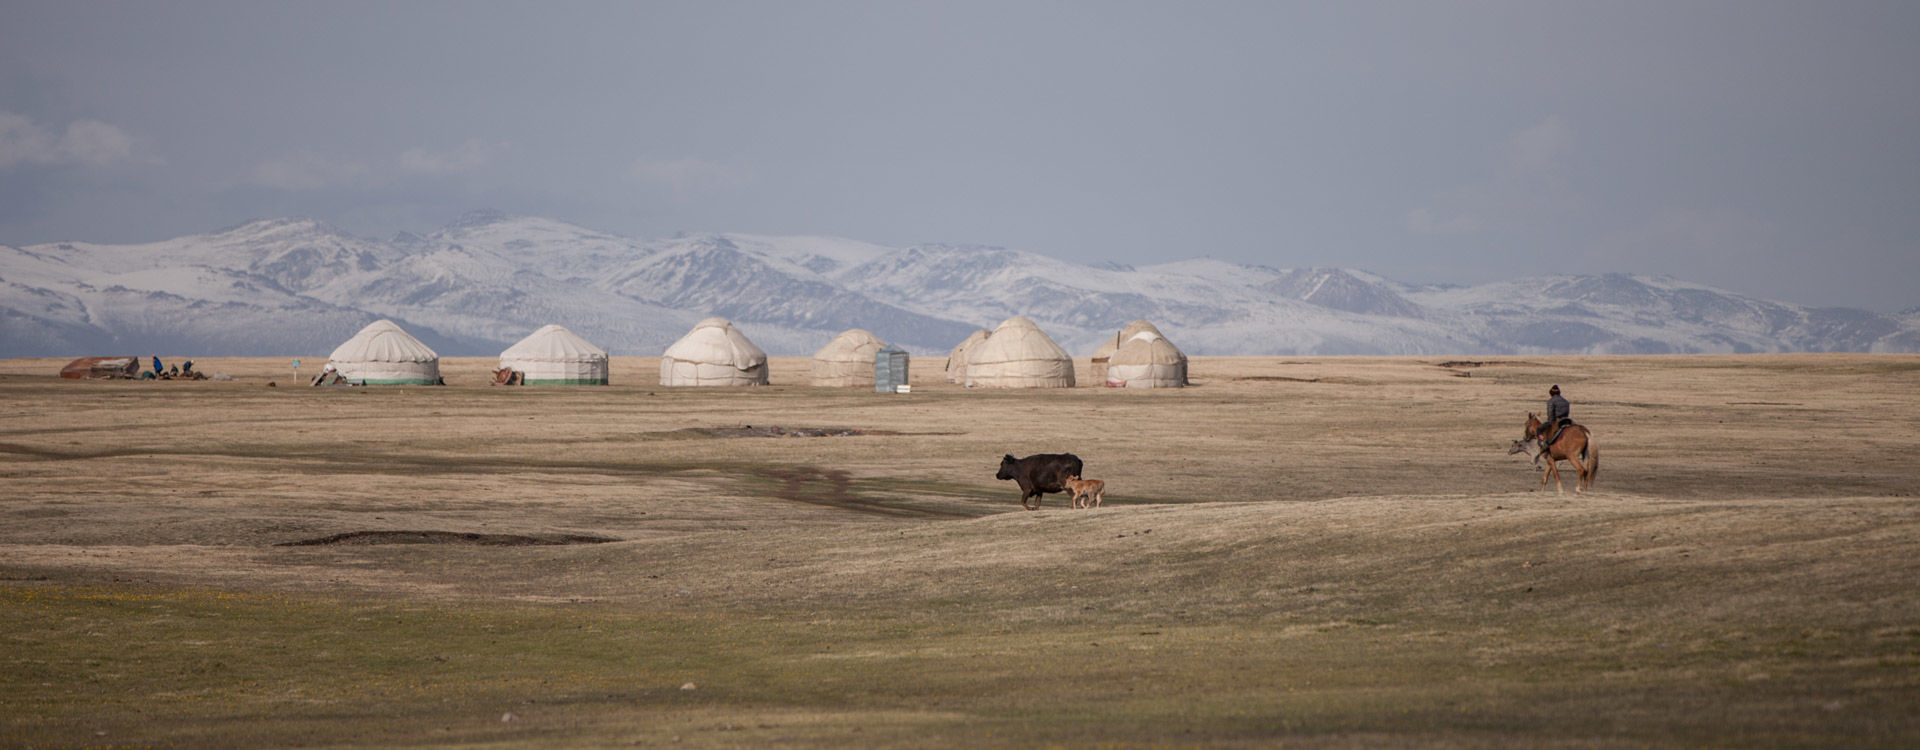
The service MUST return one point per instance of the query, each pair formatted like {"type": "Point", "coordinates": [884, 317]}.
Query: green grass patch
{"type": "Point", "coordinates": [197, 667]}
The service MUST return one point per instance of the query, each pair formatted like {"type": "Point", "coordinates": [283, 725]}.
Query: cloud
{"type": "Point", "coordinates": [1525, 190]}
{"type": "Point", "coordinates": [309, 172]}
{"type": "Point", "coordinates": [467, 158]}
{"type": "Point", "coordinates": [689, 176]}
{"type": "Point", "coordinates": [89, 143]}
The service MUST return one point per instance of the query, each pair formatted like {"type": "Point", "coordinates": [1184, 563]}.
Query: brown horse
{"type": "Point", "coordinates": [1573, 445]}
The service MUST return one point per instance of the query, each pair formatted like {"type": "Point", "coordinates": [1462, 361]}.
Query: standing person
{"type": "Point", "coordinates": [1559, 414]}
{"type": "Point", "coordinates": [157, 369]}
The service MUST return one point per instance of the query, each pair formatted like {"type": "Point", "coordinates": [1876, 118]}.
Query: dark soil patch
{"type": "Point", "coordinates": [1464, 364]}
{"type": "Point", "coordinates": [815, 486]}
{"type": "Point", "coordinates": [448, 537]}
{"type": "Point", "coordinates": [770, 431]}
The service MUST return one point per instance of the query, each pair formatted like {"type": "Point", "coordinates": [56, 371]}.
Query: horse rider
{"type": "Point", "coordinates": [1558, 416]}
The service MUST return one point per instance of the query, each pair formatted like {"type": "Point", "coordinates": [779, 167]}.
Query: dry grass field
{"type": "Point", "coordinates": [1307, 552]}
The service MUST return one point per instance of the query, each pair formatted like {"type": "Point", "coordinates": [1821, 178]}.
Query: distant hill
{"type": "Point", "coordinates": [297, 286]}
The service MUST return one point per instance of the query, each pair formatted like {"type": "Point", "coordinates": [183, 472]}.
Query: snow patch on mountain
{"type": "Point", "coordinates": [299, 286]}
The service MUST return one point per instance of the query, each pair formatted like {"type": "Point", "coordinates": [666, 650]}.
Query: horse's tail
{"type": "Point", "coordinates": [1592, 459]}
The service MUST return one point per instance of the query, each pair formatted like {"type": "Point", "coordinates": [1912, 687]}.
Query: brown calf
{"type": "Point", "coordinates": [1087, 493]}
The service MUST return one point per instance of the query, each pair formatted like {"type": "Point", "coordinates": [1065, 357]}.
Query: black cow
{"type": "Point", "coordinates": [1039, 474]}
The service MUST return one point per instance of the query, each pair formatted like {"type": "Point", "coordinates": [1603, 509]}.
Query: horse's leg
{"type": "Point", "coordinates": [1578, 457]}
{"type": "Point", "coordinates": [1583, 457]}
{"type": "Point", "coordinates": [1593, 464]}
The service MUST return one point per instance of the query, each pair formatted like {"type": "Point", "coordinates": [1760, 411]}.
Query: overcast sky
{"type": "Point", "coordinates": [1769, 148]}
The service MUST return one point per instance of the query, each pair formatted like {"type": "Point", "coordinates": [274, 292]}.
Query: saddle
{"type": "Point", "coordinates": [1551, 433]}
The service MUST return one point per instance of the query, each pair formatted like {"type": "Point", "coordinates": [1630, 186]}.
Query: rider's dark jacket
{"type": "Point", "coordinates": [1557, 411]}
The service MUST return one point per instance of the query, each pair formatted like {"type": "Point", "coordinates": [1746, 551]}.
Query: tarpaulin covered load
{"type": "Point", "coordinates": [102, 368]}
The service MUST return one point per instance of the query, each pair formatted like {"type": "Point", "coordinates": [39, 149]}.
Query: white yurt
{"type": "Point", "coordinates": [1147, 360]}
{"type": "Point", "coordinates": [1019, 355]}
{"type": "Point", "coordinates": [714, 353]}
{"type": "Point", "coordinates": [846, 361]}
{"type": "Point", "coordinates": [384, 354]}
{"type": "Point", "coordinates": [957, 359]}
{"type": "Point", "coordinates": [1112, 344]}
{"type": "Point", "coordinates": [554, 355]}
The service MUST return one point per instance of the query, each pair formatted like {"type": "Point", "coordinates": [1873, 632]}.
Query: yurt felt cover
{"type": "Point", "coordinates": [713, 353]}
{"type": "Point", "coordinates": [1147, 360]}
{"type": "Point", "coordinates": [846, 361]}
{"type": "Point", "coordinates": [1107, 347]}
{"type": "Point", "coordinates": [384, 354]}
{"type": "Point", "coordinates": [1019, 355]}
{"type": "Point", "coordinates": [554, 355]}
{"type": "Point", "coordinates": [957, 360]}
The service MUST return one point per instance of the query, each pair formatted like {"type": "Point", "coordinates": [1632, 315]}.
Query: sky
{"type": "Point", "coordinates": [1768, 148]}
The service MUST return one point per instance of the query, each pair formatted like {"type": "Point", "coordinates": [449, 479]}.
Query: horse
{"type": "Point", "coordinates": [1573, 445]}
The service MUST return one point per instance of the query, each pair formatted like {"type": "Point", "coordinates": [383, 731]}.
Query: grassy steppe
{"type": "Point", "coordinates": [1296, 552]}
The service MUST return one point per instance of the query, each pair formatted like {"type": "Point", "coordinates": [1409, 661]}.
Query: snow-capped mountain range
{"type": "Point", "coordinates": [474, 287]}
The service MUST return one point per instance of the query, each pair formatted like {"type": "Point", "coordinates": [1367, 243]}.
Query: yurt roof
{"type": "Point", "coordinates": [1108, 346]}
{"type": "Point", "coordinates": [1016, 339]}
{"type": "Point", "coordinates": [851, 345]}
{"type": "Point", "coordinates": [716, 341]}
{"type": "Point", "coordinates": [383, 341]}
{"type": "Point", "coordinates": [553, 343]}
{"type": "Point", "coordinates": [1147, 348]}
{"type": "Point", "coordinates": [972, 340]}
